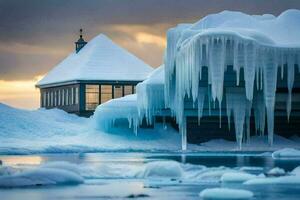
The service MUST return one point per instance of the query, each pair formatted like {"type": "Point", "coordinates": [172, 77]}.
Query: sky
{"type": "Point", "coordinates": [36, 35]}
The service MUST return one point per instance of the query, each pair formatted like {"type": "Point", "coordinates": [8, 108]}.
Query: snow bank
{"type": "Point", "coordinates": [49, 174]}
{"type": "Point", "coordinates": [111, 113]}
{"type": "Point", "coordinates": [18, 123]}
{"type": "Point", "coordinates": [55, 131]}
{"type": "Point", "coordinates": [286, 153]}
{"type": "Point", "coordinates": [162, 169]}
{"type": "Point", "coordinates": [225, 193]}
{"type": "Point", "coordinates": [257, 44]}
{"type": "Point", "coordinates": [237, 177]}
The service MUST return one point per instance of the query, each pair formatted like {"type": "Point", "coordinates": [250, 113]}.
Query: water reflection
{"type": "Point", "coordinates": [21, 160]}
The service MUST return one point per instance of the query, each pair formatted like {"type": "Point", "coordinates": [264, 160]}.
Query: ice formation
{"type": "Point", "coordinates": [286, 153]}
{"type": "Point", "coordinates": [225, 193]}
{"type": "Point", "coordinates": [150, 95]}
{"type": "Point", "coordinates": [107, 114]}
{"type": "Point", "coordinates": [236, 177]}
{"type": "Point", "coordinates": [255, 44]}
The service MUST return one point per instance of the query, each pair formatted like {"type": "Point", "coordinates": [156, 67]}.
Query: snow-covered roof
{"type": "Point", "coordinates": [100, 59]}
{"type": "Point", "coordinates": [266, 29]}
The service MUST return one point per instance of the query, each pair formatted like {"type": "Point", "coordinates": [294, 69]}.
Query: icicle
{"type": "Point", "coordinates": [290, 82]}
{"type": "Point", "coordinates": [164, 123]}
{"type": "Point", "coordinates": [183, 135]}
{"type": "Point", "coordinates": [236, 103]}
{"type": "Point", "coordinates": [201, 98]}
{"type": "Point", "coordinates": [270, 81]}
{"type": "Point", "coordinates": [259, 113]}
{"type": "Point", "coordinates": [249, 69]}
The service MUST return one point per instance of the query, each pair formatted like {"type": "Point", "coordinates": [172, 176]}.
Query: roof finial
{"type": "Point", "coordinates": [80, 31]}
{"type": "Point", "coordinates": [80, 42]}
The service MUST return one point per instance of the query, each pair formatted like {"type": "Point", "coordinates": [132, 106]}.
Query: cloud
{"type": "Point", "coordinates": [21, 94]}
{"type": "Point", "coordinates": [19, 48]}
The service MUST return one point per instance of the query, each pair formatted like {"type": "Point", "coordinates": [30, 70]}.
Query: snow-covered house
{"type": "Point", "coordinates": [229, 75]}
{"type": "Point", "coordinates": [94, 73]}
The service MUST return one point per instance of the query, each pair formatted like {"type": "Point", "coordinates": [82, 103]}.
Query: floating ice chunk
{"type": "Point", "coordinates": [276, 172]}
{"type": "Point", "coordinates": [286, 153]}
{"type": "Point", "coordinates": [237, 177]}
{"type": "Point", "coordinates": [162, 169]}
{"type": "Point", "coordinates": [274, 180]}
{"type": "Point", "coordinates": [40, 176]}
{"type": "Point", "coordinates": [214, 174]}
{"type": "Point", "coordinates": [225, 193]}
{"type": "Point", "coordinates": [296, 171]}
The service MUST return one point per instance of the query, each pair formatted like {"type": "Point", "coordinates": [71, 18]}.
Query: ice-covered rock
{"type": "Point", "coordinates": [225, 193]}
{"type": "Point", "coordinates": [236, 177]}
{"type": "Point", "coordinates": [286, 153]}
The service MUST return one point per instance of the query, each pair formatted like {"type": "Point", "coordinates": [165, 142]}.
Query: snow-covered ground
{"type": "Point", "coordinates": [55, 131]}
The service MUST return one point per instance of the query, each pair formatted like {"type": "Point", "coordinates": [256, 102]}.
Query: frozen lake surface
{"type": "Point", "coordinates": [148, 175]}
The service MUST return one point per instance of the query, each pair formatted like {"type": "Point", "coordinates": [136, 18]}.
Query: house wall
{"type": "Point", "coordinates": [62, 97]}
{"type": "Point", "coordinates": [80, 107]}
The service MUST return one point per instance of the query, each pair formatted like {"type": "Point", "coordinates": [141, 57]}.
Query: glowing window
{"type": "Point", "coordinates": [106, 93]}
{"type": "Point", "coordinates": [91, 97]}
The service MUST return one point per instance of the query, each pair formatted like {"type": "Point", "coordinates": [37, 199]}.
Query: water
{"type": "Point", "coordinates": [114, 176]}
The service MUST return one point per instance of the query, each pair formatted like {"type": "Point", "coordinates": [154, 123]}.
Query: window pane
{"type": "Point", "coordinates": [51, 98]}
{"type": "Point", "coordinates": [127, 90]}
{"type": "Point", "coordinates": [106, 93]}
{"type": "Point", "coordinates": [76, 95]}
{"type": "Point", "coordinates": [55, 97]}
{"type": "Point", "coordinates": [91, 97]}
{"type": "Point", "coordinates": [62, 97]}
{"type": "Point", "coordinates": [44, 99]}
{"type": "Point", "coordinates": [118, 91]}
{"type": "Point", "coordinates": [48, 99]}
{"type": "Point", "coordinates": [59, 97]}
{"type": "Point", "coordinates": [67, 97]}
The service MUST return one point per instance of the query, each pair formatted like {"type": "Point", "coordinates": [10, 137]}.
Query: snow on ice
{"type": "Point", "coordinates": [225, 193]}
{"type": "Point", "coordinates": [286, 153]}
{"type": "Point", "coordinates": [236, 177]}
